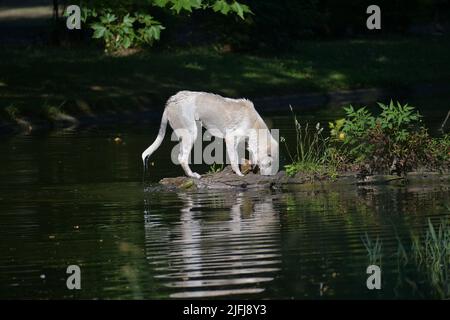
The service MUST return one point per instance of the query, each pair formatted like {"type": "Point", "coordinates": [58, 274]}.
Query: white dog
{"type": "Point", "coordinates": [235, 120]}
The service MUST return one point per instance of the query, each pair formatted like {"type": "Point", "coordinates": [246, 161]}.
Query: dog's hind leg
{"type": "Point", "coordinates": [187, 141]}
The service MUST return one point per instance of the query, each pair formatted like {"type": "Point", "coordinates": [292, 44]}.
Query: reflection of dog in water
{"type": "Point", "coordinates": [239, 247]}
{"type": "Point", "coordinates": [235, 120]}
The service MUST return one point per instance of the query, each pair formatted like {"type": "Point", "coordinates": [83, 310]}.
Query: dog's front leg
{"type": "Point", "coordinates": [253, 150]}
{"type": "Point", "coordinates": [231, 144]}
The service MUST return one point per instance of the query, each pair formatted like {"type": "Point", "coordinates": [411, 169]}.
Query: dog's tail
{"type": "Point", "coordinates": [155, 145]}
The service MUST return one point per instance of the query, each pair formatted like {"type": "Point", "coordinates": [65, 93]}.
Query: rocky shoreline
{"type": "Point", "coordinates": [226, 179]}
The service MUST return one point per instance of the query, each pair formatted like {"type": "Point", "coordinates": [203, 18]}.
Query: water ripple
{"type": "Point", "coordinates": [202, 258]}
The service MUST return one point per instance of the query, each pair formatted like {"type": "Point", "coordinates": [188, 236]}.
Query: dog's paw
{"type": "Point", "coordinates": [240, 174]}
{"type": "Point", "coordinates": [196, 175]}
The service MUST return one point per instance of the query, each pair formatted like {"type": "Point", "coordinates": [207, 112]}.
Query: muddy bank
{"type": "Point", "coordinates": [226, 179]}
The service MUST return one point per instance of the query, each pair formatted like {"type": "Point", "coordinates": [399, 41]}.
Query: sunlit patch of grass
{"type": "Point", "coordinates": [311, 154]}
{"type": "Point", "coordinates": [194, 66]}
{"type": "Point", "coordinates": [337, 76]}
{"type": "Point", "coordinates": [34, 74]}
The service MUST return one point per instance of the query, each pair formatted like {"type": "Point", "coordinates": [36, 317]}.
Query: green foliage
{"type": "Point", "coordinates": [431, 254]}
{"type": "Point", "coordinates": [125, 24]}
{"type": "Point", "coordinates": [396, 120]}
{"type": "Point", "coordinates": [336, 129]}
{"type": "Point", "coordinates": [437, 151]}
{"type": "Point", "coordinates": [357, 124]}
{"type": "Point", "coordinates": [355, 128]}
{"type": "Point", "coordinates": [214, 168]}
{"type": "Point", "coordinates": [312, 152]}
{"type": "Point", "coordinates": [282, 25]}
{"type": "Point", "coordinates": [373, 248]}
{"type": "Point", "coordinates": [122, 33]}
{"type": "Point", "coordinates": [392, 141]}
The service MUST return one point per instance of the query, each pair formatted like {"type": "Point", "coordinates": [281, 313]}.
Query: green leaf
{"type": "Point", "coordinates": [151, 33]}
{"type": "Point", "coordinates": [99, 30]}
{"type": "Point", "coordinates": [160, 3]}
{"type": "Point", "coordinates": [237, 7]}
{"type": "Point", "coordinates": [128, 21]}
{"type": "Point", "coordinates": [187, 5]}
{"type": "Point", "coordinates": [108, 18]}
{"type": "Point", "coordinates": [126, 43]}
{"type": "Point", "coordinates": [221, 6]}
{"type": "Point", "coordinates": [340, 122]}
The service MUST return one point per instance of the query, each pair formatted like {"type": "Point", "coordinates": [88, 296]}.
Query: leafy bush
{"type": "Point", "coordinates": [124, 24]}
{"type": "Point", "coordinates": [437, 151]}
{"type": "Point", "coordinates": [394, 141]}
{"type": "Point", "coordinates": [121, 33]}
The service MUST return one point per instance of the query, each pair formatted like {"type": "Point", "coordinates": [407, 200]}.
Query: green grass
{"type": "Point", "coordinates": [215, 168]}
{"type": "Point", "coordinates": [432, 254]}
{"type": "Point", "coordinates": [312, 154]}
{"type": "Point", "coordinates": [86, 81]}
{"type": "Point", "coordinates": [374, 249]}
{"type": "Point", "coordinates": [428, 254]}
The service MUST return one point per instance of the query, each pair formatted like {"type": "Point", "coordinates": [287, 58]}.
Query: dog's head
{"type": "Point", "coordinates": [269, 161]}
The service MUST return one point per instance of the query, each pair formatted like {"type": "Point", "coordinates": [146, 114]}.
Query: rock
{"type": "Point", "coordinates": [227, 179]}
{"type": "Point", "coordinates": [380, 179]}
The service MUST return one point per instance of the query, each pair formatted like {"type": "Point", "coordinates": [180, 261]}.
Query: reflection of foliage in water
{"type": "Point", "coordinates": [426, 259]}
{"type": "Point", "coordinates": [372, 210]}
{"type": "Point", "coordinates": [431, 253]}
{"type": "Point", "coordinates": [373, 249]}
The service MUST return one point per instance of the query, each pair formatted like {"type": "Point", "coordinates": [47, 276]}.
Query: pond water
{"type": "Point", "coordinates": [77, 198]}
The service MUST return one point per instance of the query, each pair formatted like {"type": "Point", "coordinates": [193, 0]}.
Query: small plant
{"type": "Point", "coordinates": [357, 124]}
{"type": "Point", "coordinates": [437, 152]}
{"type": "Point", "coordinates": [311, 152]}
{"type": "Point", "coordinates": [396, 119]}
{"type": "Point", "coordinates": [214, 168]}
{"type": "Point", "coordinates": [336, 130]}
{"type": "Point", "coordinates": [430, 254]}
{"type": "Point", "coordinates": [373, 249]}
